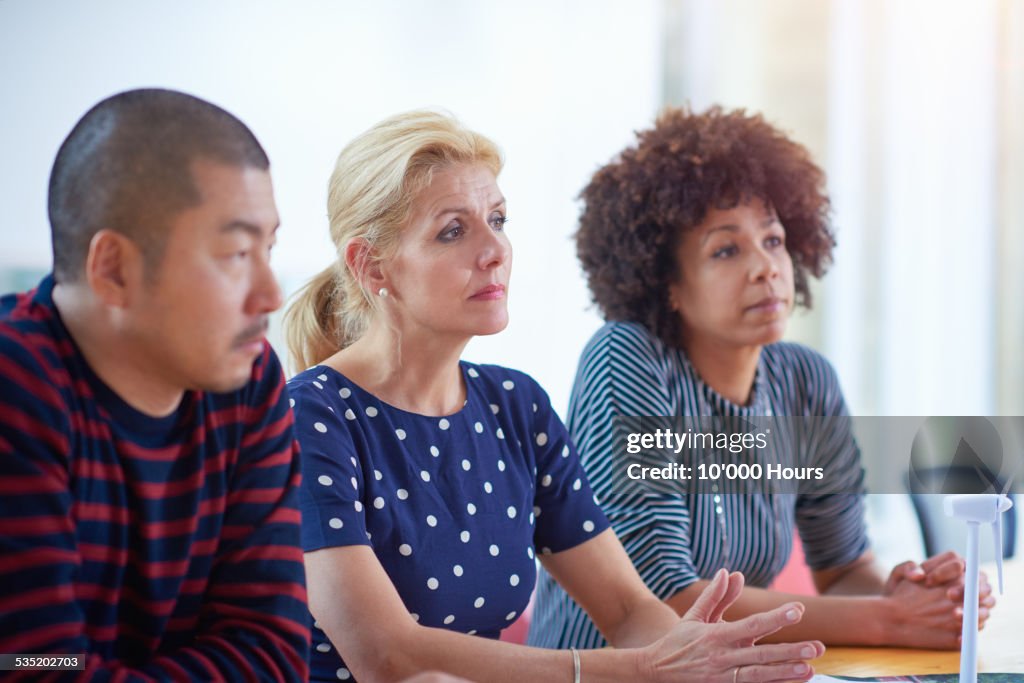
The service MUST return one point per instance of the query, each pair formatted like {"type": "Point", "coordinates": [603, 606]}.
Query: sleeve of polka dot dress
{"type": "Point", "coordinates": [831, 524]}
{"type": "Point", "coordinates": [330, 497]}
{"type": "Point", "coordinates": [565, 511]}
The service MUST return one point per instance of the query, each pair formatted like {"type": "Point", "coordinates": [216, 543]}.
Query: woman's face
{"type": "Point", "coordinates": [449, 276]}
{"type": "Point", "coordinates": [736, 282]}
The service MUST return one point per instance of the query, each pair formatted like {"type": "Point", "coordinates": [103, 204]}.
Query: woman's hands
{"type": "Point", "coordinates": [947, 570]}
{"type": "Point", "coordinates": [705, 648]}
{"type": "Point", "coordinates": [927, 601]}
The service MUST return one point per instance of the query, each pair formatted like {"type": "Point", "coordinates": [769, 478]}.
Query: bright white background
{"type": "Point", "coordinates": [913, 107]}
{"type": "Point", "coordinates": [559, 86]}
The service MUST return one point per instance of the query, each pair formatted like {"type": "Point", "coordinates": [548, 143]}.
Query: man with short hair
{"type": "Point", "coordinates": [148, 471]}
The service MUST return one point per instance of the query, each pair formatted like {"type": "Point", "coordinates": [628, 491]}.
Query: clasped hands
{"type": "Point", "coordinates": [927, 600]}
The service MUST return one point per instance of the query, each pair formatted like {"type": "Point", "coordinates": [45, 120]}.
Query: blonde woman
{"type": "Point", "coordinates": [430, 484]}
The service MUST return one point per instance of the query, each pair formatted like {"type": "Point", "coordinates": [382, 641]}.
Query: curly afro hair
{"type": "Point", "coordinates": [637, 208]}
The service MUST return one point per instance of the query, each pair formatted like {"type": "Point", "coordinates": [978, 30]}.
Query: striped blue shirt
{"type": "Point", "coordinates": [675, 539]}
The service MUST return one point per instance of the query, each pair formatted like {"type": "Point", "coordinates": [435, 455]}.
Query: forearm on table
{"type": "Point", "coordinates": [860, 578]}
{"type": "Point", "coordinates": [646, 620]}
{"type": "Point", "coordinates": [834, 620]}
{"type": "Point", "coordinates": [418, 648]}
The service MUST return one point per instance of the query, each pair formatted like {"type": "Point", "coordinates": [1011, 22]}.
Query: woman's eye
{"type": "Point", "coordinates": [724, 252]}
{"type": "Point", "coordinates": [774, 241]}
{"type": "Point", "coordinates": [451, 233]}
{"type": "Point", "coordinates": [498, 222]}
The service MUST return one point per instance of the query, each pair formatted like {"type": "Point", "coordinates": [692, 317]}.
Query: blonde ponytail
{"type": "Point", "coordinates": [311, 322]}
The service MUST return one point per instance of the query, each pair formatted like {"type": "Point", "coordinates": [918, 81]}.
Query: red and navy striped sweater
{"type": "Point", "coordinates": [161, 548]}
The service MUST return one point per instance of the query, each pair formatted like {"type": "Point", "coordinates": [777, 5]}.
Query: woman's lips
{"type": "Point", "coordinates": [489, 293]}
{"type": "Point", "coordinates": [769, 304]}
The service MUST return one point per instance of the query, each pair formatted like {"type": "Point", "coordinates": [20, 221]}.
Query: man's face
{"type": "Point", "coordinates": [201, 316]}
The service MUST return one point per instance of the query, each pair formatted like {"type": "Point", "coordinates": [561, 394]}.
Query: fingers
{"type": "Point", "coordinates": [777, 653]}
{"type": "Point", "coordinates": [944, 572]}
{"type": "Point", "coordinates": [936, 560]}
{"type": "Point", "coordinates": [985, 597]}
{"type": "Point", "coordinates": [706, 604]}
{"type": "Point", "coordinates": [955, 592]}
{"type": "Point", "coordinates": [904, 571]}
{"type": "Point", "coordinates": [765, 673]}
{"type": "Point", "coordinates": [983, 614]}
{"type": "Point", "coordinates": [732, 592]}
{"type": "Point", "coordinates": [984, 587]}
{"type": "Point", "coordinates": [751, 629]}
{"type": "Point", "coordinates": [907, 570]}
{"type": "Point", "coordinates": [779, 662]}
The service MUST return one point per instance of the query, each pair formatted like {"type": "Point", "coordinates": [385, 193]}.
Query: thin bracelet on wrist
{"type": "Point", "coordinates": [575, 665]}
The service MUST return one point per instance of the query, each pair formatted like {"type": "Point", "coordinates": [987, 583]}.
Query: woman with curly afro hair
{"type": "Point", "coordinates": [697, 242]}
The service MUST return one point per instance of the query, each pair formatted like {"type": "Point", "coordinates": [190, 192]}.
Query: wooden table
{"type": "Point", "coordinates": [1000, 644]}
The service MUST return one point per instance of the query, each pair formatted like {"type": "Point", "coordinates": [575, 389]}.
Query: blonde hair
{"type": "Point", "coordinates": [370, 193]}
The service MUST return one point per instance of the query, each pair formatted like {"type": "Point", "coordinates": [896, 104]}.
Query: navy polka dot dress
{"type": "Point", "coordinates": [455, 508]}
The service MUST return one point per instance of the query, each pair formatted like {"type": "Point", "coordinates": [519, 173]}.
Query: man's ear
{"type": "Point", "coordinates": [361, 262]}
{"type": "Point", "coordinates": [113, 267]}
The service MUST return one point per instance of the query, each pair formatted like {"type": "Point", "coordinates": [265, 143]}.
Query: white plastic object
{"type": "Point", "coordinates": [976, 509]}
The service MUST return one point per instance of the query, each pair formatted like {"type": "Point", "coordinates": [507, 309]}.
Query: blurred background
{"type": "Point", "coordinates": [913, 107]}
